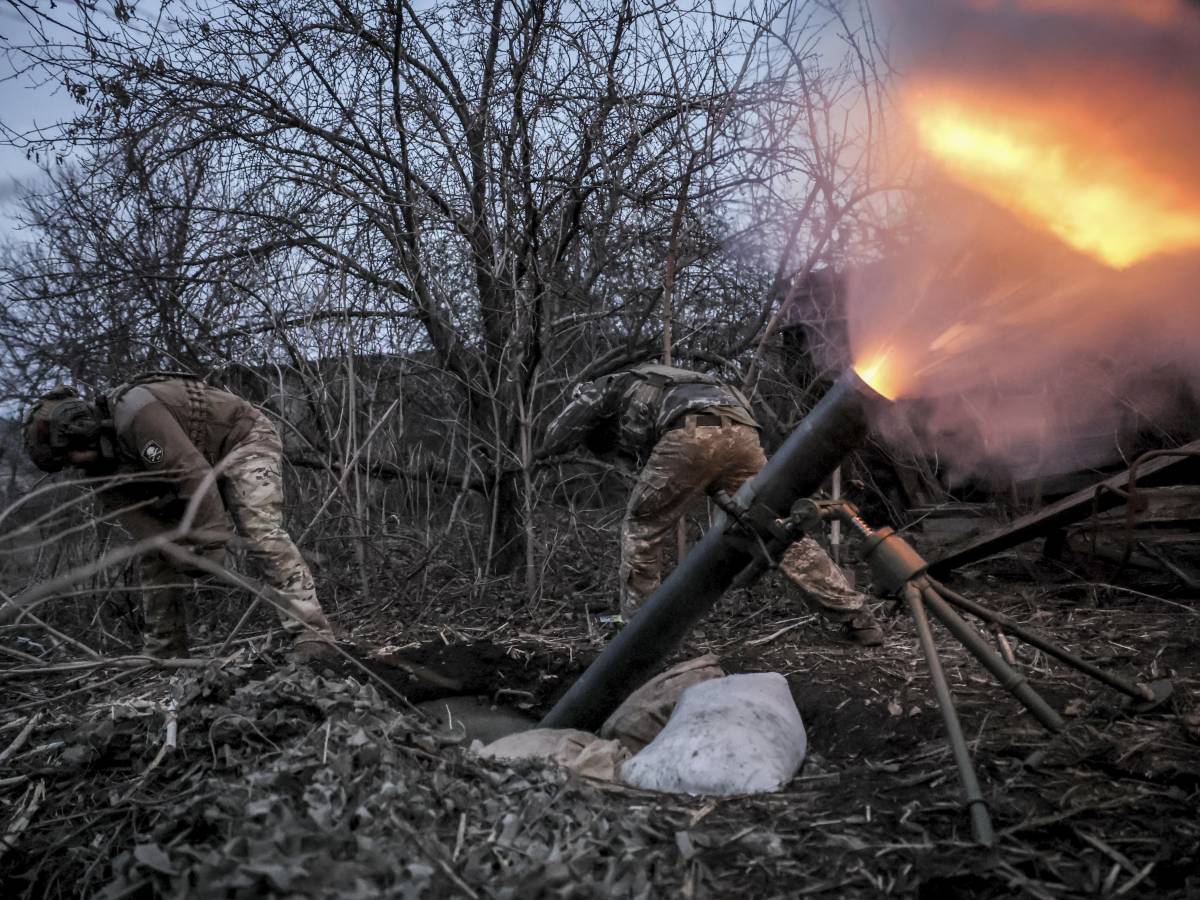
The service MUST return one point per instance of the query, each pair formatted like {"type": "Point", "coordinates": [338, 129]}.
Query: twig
{"type": "Point", "coordinates": [1136, 879]}
{"type": "Point", "coordinates": [269, 594]}
{"type": "Point", "coordinates": [79, 645]}
{"type": "Point", "coordinates": [353, 461]}
{"type": "Point", "coordinates": [1124, 590]}
{"type": "Point", "coordinates": [460, 837]}
{"type": "Point", "coordinates": [168, 746]}
{"type": "Point", "coordinates": [20, 739]}
{"type": "Point", "coordinates": [17, 654]}
{"type": "Point", "coordinates": [12, 724]}
{"type": "Point", "coordinates": [437, 857]}
{"type": "Point", "coordinates": [125, 661]}
{"type": "Point", "coordinates": [172, 737]}
{"type": "Point", "coordinates": [87, 688]}
{"type": "Point", "coordinates": [240, 622]}
{"type": "Point", "coordinates": [1116, 856]}
{"type": "Point", "coordinates": [781, 631]}
{"type": "Point", "coordinates": [21, 821]}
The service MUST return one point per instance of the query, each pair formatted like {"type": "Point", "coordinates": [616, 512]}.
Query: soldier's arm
{"type": "Point", "coordinates": [588, 404]}
{"type": "Point", "coordinates": [137, 512]}
{"type": "Point", "coordinates": [148, 431]}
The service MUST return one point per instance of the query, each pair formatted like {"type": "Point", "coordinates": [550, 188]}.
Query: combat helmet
{"type": "Point", "coordinates": [58, 422]}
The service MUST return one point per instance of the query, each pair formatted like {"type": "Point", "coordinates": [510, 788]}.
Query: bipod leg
{"type": "Point", "coordinates": [1140, 692]}
{"type": "Point", "coordinates": [1012, 680]}
{"type": "Point", "coordinates": [981, 820]}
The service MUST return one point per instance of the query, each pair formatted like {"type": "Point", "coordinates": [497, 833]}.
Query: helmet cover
{"type": "Point", "coordinates": [58, 422]}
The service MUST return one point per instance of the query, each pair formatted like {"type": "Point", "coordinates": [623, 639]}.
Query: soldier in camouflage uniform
{"type": "Point", "coordinates": [690, 433]}
{"type": "Point", "coordinates": [166, 443]}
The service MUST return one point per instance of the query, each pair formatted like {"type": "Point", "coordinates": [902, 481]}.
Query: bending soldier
{"type": "Point", "coordinates": [167, 441]}
{"type": "Point", "coordinates": [689, 433]}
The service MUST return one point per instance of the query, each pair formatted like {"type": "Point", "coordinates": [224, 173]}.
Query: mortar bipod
{"type": "Point", "coordinates": [897, 569]}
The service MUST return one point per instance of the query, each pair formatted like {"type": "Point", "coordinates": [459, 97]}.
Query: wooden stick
{"type": "Point", "coordinates": [20, 739]}
{"type": "Point", "coordinates": [124, 661]}
{"type": "Point", "coordinates": [172, 736]}
{"type": "Point", "coordinates": [79, 645]}
{"type": "Point", "coordinates": [17, 654]}
{"type": "Point", "coordinates": [22, 819]}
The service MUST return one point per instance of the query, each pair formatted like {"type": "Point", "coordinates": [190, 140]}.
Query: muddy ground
{"type": "Point", "coordinates": [293, 782]}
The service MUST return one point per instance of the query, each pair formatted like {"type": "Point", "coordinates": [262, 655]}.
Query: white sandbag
{"type": "Point", "coordinates": [736, 735]}
{"type": "Point", "coordinates": [579, 751]}
{"type": "Point", "coordinates": [646, 711]}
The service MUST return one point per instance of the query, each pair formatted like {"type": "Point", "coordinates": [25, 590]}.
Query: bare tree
{"type": "Point", "coordinates": [118, 279]}
{"type": "Point", "coordinates": [491, 188]}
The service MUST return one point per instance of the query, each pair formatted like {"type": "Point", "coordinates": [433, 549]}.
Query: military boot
{"type": "Point", "coordinates": [173, 647]}
{"type": "Point", "coordinates": [629, 606]}
{"type": "Point", "coordinates": [314, 649]}
{"type": "Point", "coordinates": [863, 629]}
{"type": "Point", "coordinates": [165, 633]}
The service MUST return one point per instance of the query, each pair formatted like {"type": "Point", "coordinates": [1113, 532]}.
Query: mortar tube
{"type": "Point", "coordinates": [835, 427]}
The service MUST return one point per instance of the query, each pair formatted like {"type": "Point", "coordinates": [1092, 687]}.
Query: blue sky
{"type": "Point", "coordinates": [22, 108]}
{"type": "Point", "coordinates": [24, 105]}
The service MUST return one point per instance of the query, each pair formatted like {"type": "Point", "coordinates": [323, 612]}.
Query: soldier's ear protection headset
{"type": "Point", "coordinates": [59, 422]}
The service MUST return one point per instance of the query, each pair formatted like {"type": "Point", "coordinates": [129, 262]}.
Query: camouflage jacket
{"type": "Point", "coordinates": [627, 412]}
{"type": "Point", "coordinates": [169, 431]}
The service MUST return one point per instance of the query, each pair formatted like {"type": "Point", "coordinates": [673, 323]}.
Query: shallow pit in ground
{"type": "Point", "coordinates": [495, 687]}
{"type": "Point", "coordinates": [858, 706]}
{"type": "Point", "coordinates": [524, 677]}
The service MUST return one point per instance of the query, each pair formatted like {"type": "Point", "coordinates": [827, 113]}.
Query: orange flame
{"type": "Point", "coordinates": [881, 374]}
{"type": "Point", "coordinates": [1058, 172]}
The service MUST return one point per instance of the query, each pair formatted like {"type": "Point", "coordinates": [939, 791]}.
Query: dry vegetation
{"type": "Point", "coordinates": [285, 781]}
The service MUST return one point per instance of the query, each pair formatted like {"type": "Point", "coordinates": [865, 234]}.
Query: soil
{"type": "Point", "coordinates": [522, 676]}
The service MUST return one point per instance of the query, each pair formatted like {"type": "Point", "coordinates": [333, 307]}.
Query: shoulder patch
{"type": "Point", "coordinates": [153, 453]}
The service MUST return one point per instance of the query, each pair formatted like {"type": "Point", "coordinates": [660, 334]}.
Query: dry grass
{"type": "Point", "coordinates": [289, 783]}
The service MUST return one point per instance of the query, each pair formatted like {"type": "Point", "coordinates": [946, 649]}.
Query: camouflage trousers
{"type": "Point", "coordinates": [705, 459]}
{"type": "Point", "coordinates": [251, 483]}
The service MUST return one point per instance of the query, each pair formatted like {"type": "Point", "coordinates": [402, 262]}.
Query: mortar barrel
{"type": "Point", "coordinates": [835, 427]}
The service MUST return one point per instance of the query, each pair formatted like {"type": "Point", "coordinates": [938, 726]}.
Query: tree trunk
{"type": "Point", "coordinates": [508, 535]}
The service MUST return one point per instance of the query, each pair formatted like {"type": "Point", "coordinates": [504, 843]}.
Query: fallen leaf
{"type": "Point", "coordinates": [683, 840]}
{"type": "Point", "coordinates": [152, 857]}
{"type": "Point", "coordinates": [1075, 707]}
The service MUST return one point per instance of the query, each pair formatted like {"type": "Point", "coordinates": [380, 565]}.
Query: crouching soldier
{"type": "Point", "coordinates": [690, 433]}
{"type": "Point", "coordinates": [168, 441]}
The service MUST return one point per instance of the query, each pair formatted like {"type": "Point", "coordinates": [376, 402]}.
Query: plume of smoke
{"type": "Point", "coordinates": [1021, 355]}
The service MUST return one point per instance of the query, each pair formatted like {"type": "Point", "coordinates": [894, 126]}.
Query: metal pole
{"type": "Point", "coordinates": [1010, 679]}
{"type": "Point", "coordinates": [981, 820]}
{"type": "Point", "coordinates": [1034, 639]}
